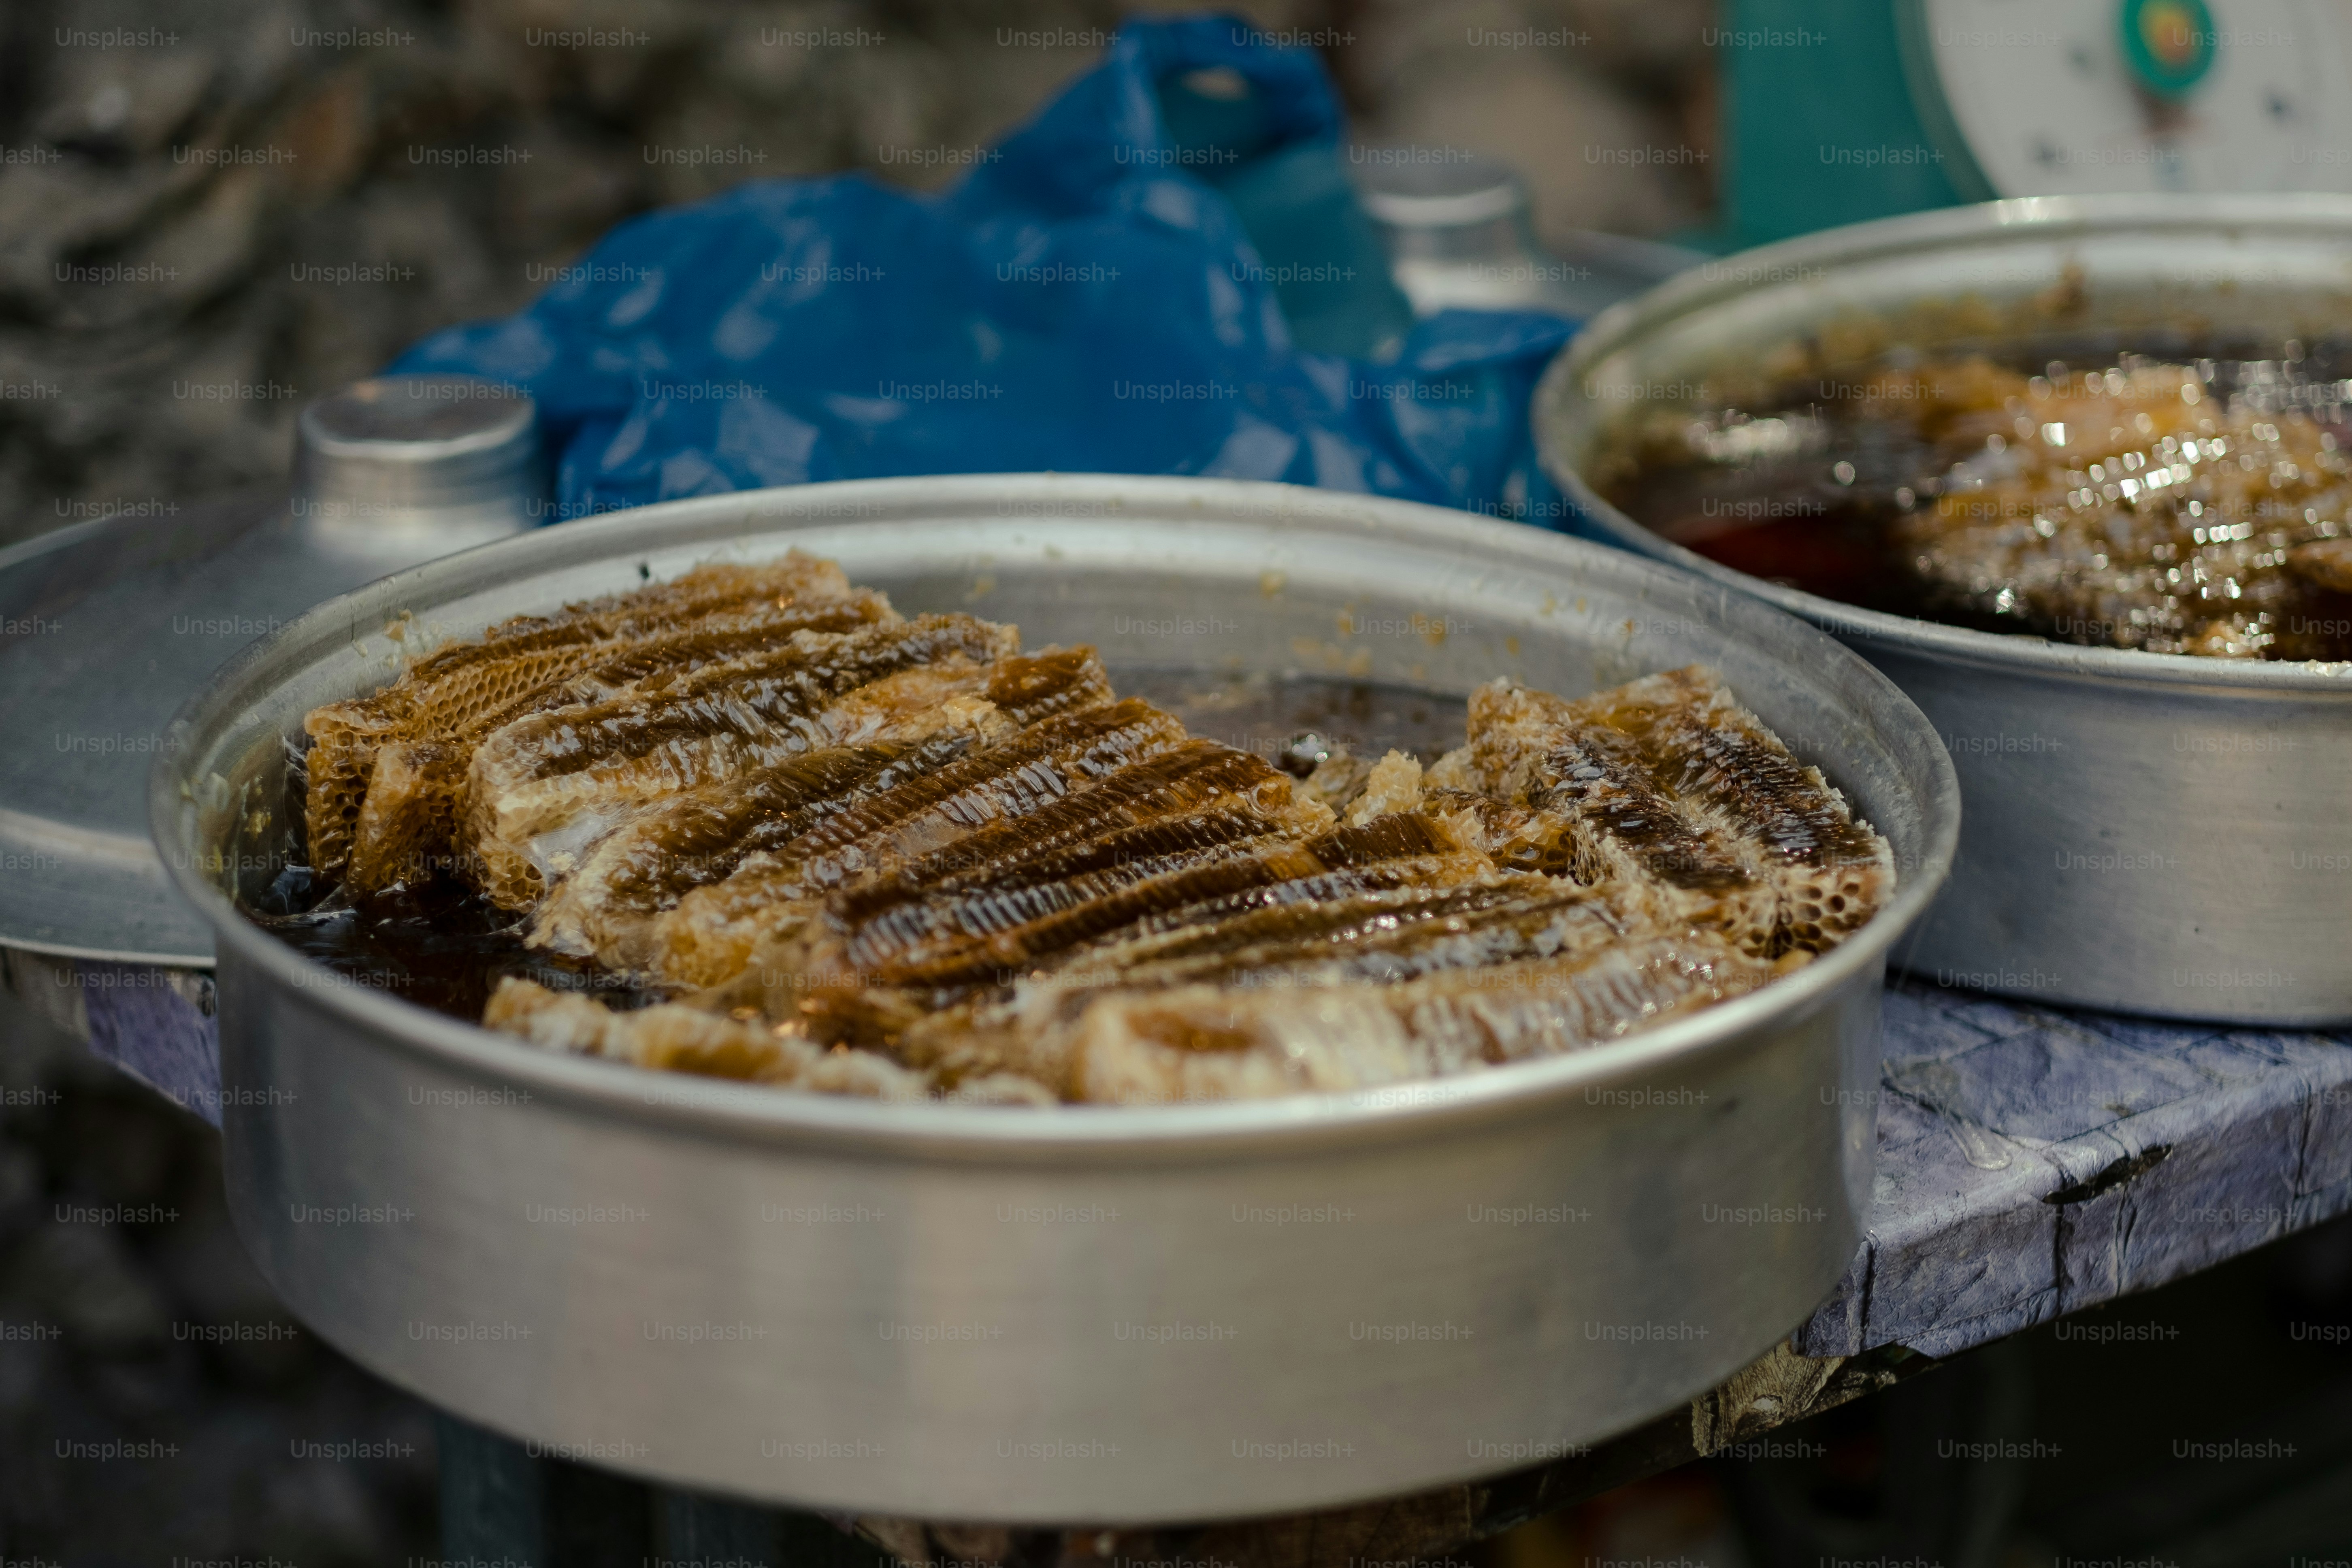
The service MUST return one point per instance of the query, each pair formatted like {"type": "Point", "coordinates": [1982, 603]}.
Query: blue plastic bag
{"type": "Point", "coordinates": [1087, 299]}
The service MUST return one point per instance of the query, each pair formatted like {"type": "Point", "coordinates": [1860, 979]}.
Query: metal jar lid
{"type": "Point", "coordinates": [405, 464]}
{"type": "Point", "coordinates": [1459, 230]}
{"type": "Point", "coordinates": [106, 627]}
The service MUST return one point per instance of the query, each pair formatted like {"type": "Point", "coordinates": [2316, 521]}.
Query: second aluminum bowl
{"type": "Point", "coordinates": [2149, 833]}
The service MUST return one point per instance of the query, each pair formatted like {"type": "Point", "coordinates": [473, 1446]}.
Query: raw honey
{"type": "Point", "coordinates": [755, 823]}
{"type": "Point", "coordinates": [2194, 506]}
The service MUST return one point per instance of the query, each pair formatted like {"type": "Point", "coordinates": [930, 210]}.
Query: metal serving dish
{"type": "Point", "coordinates": [2150, 832]}
{"type": "Point", "coordinates": [1093, 1315]}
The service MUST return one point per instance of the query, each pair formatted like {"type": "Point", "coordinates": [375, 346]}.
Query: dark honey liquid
{"type": "Point", "coordinates": [1819, 502]}
{"type": "Point", "coordinates": [1263, 713]}
{"type": "Point", "coordinates": [440, 944]}
{"type": "Point", "coordinates": [444, 947]}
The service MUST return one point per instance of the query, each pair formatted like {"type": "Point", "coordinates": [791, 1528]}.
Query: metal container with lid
{"type": "Point", "coordinates": [1094, 1313]}
{"type": "Point", "coordinates": [108, 626]}
{"type": "Point", "coordinates": [406, 467]}
{"type": "Point", "coordinates": [1459, 231]}
{"type": "Point", "coordinates": [2149, 833]}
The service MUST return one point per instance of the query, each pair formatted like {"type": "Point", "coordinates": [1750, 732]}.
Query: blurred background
{"type": "Point", "coordinates": [285, 279]}
{"type": "Point", "coordinates": [443, 163]}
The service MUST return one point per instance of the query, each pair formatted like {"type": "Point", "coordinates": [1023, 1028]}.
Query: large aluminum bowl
{"type": "Point", "coordinates": [1085, 1315]}
{"type": "Point", "coordinates": [2149, 833]}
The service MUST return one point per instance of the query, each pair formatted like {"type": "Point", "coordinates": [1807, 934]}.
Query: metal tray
{"type": "Point", "coordinates": [107, 628]}
{"type": "Point", "coordinates": [1083, 1314]}
{"type": "Point", "coordinates": [2147, 832]}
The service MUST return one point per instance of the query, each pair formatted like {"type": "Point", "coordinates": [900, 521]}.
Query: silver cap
{"type": "Point", "coordinates": [1456, 228]}
{"type": "Point", "coordinates": [1436, 188]}
{"type": "Point", "coordinates": [383, 463]}
{"type": "Point", "coordinates": [1459, 230]}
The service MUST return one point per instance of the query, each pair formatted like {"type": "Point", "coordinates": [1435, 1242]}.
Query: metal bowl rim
{"type": "Point", "coordinates": [1132, 1133]}
{"type": "Point", "coordinates": [2027, 218]}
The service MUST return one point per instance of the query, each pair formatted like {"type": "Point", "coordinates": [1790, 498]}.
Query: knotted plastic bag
{"type": "Point", "coordinates": [1100, 293]}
